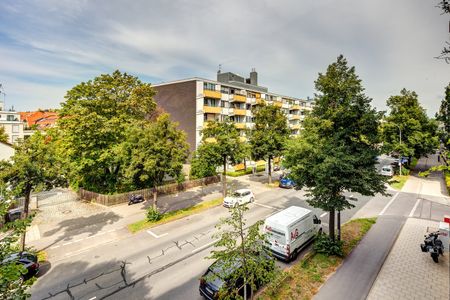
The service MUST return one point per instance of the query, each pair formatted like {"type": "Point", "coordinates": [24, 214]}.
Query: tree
{"type": "Point", "coordinates": [34, 166]}
{"type": "Point", "coordinates": [418, 131]}
{"type": "Point", "coordinates": [269, 135]}
{"type": "Point", "coordinates": [444, 113]}
{"type": "Point", "coordinates": [3, 135]}
{"type": "Point", "coordinates": [222, 139]}
{"type": "Point", "coordinates": [238, 245]}
{"type": "Point", "coordinates": [157, 151]}
{"type": "Point", "coordinates": [336, 150]}
{"type": "Point", "coordinates": [11, 284]}
{"type": "Point", "coordinates": [94, 122]}
{"type": "Point", "coordinates": [444, 5]}
{"type": "Point", "coordinates": [201, 165]}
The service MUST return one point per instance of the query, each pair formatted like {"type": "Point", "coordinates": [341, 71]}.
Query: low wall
{"type": "Point", "coordinates": [109, 200]}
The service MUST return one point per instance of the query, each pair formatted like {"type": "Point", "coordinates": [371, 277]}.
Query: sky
{"type": "Point", "coordinates": [49, 46]}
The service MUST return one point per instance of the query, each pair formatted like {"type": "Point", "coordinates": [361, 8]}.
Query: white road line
{"type": "Point", "coordinates": [387, 205]}
{"type": "Point", "coordinates": [413, 210]}
{"type": "Point", "coordinates": [323, 215]}
{"type": "Point", "coordinates": [263, 205]}
{"type": "Point", "coordinates": [95, 297]}
{"type": "Point", "coordinates": [54, 247]}
{"type": "Point", "coordinates": [156, 236]}
{"type": "Point", "coordinates": [65, 244]}
{"type": "Point", "coordinates": [204, 247]}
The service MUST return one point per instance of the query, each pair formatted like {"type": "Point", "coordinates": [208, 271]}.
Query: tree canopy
{"type": "Point", "coordinates": [418, 131]}
{"type": "Point", "coordinates": [267, 139]}
{"type": "Point", "coordinates": [444, 114]}
{"type": "Point", "coordinates": [336, 150]}
{"type": "Point", "coordinates": [3, 135]}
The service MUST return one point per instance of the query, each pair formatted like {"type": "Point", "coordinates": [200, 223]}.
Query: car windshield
{"type": "Point", "coordinates": [387, 169]}
{"type": "Point", "coordinates": [237, 194]}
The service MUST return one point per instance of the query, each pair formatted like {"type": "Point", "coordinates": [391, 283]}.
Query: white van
{"type": "Point", "coordinates": [289, 230]}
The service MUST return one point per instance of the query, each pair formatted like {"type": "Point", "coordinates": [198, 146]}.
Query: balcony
{"type": "Point", "coordinates": [294, 117]}
{"type": "Point", "coordinates": [295, 107]}
{"type": "Point", "coordinates": [212, 109]}
{"type": "Point", "coordinates": [258, 101]}
{"type": "Point", "coordinates": [240, 125]}
{"type": "Point", "coordinates": [243, 139]}
{"type": "Point", "coordinates": [277, 103]}
{"type": "Point", "coordinates": [236, 112]}
{"type": "Point", "coordinates": [295, 126]}
{"type": "Point", "coordinates": [212, 94]}
{"type": "Point", "coordinates": [238, 98]}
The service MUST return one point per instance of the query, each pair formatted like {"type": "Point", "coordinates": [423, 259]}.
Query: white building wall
{"type": "Point", "coordinates": [199, 112]}
{"type": "Point", "coordinates": [6, 151]}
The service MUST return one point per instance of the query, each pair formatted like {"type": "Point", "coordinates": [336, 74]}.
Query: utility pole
{"type": "Point", "coordinates": [400, 160]}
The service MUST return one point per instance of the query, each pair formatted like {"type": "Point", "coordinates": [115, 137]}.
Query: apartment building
{"type": "Point", "coordinates": [193, 102]}
{"type": "Point", "coordinates": [10, 120]}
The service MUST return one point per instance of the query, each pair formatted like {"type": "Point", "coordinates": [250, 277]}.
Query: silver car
{"type": "Point", "coordinates": [387, 171]}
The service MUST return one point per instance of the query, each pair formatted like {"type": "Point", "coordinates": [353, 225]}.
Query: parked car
{"type": "Point", "coordinates": [290, 230]}
{"type": "Point", "coordinates": [387, 171]}
{"type": "Point", "coordinates": [239, 197]}
{"type": "Point", "coordinates": [287, 183]}
{"type": "Point", "coordinates": [217, 278]}
{"type": "Point", "coordinates": [28, 260]}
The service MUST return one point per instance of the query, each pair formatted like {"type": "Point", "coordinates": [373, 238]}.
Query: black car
{"type": "Point", "coordinates": [221, 277]}
{"type": "Point", "coordinates": [28, 260]}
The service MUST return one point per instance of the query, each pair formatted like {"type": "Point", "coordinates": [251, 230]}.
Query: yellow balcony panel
{"type": "Point", "coordinates": [239, 167]}
{"type": "Point", "coordinates": [243, 139]}
{"type": "Point", "coordinates": [295, 117]}
{"type": "Point", "coordinates": [239, 98]}
{"type": "Point", "coordinates": [295, 107]}
{"type": "Point", "coordinates": [278, 103]}
{"type": "Point", "coordinates": [260, 163]}
{"type": "Point", "coordinates": [239, 112]}
{"type": "Point", "coordinates": [212, 94]}
{"type": "Point", "coordinates": [240, 125]}
{"type": "Point", "coordinates": [258, 95]}
{"type": "Point", "coordinates": [212, 110]}
{"type": "Point", "coordinates": [296, 126]}
{"type": "Point", "coordinates": [259, 101]}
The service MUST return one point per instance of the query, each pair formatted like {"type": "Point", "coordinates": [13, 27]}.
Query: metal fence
{"type": "Point", "coordinates": [109, 200]}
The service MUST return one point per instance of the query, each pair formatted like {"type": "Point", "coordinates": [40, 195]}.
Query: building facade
{"type": "Point", "coordinates": [10, 120]}
{"type": "Point", "coordinates": [193, 102]}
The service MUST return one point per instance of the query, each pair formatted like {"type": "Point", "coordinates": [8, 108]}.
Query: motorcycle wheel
{"type": "Point", "coordinates": [435, 257]}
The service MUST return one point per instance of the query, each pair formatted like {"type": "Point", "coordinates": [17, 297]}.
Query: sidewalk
{"type": "Point", "coordinates": [408, 273]}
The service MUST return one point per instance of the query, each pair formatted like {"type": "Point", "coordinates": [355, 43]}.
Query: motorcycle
{"type": "Point", "coordinates": [135, 199]}
{"type": "Point", "coordinates": [434, 245]}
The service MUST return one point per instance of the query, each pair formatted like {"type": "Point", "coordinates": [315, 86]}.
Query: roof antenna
{"type": "Point", "coordinates": [220, 69]}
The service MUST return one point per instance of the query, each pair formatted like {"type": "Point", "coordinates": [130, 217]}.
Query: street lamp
{"type": "Point", "coordinates": [400, 160]}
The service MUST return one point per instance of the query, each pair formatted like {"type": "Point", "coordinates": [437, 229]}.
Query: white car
{"type": "Point", "coordinates": [387, 171]}
{"type": "Point", "coordinates": [239, 197]}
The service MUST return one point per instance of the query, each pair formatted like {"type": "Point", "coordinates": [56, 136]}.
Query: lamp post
{"type": "Point", "coordinates": [400, 160]}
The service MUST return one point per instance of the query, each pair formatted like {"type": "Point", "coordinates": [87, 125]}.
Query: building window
{"type": "Point", "coordinates": [211, 102]}
{"type": "Point", "coordinates": [10, 118]}
{"type": "Point", "coordinates": [14, 138]}
{"type": "Point", "coordinates": [248, 106]}
{"type": "Point", "coordinates": [225, 90]}
{"type": "Point", "coordinates": [209, 86]}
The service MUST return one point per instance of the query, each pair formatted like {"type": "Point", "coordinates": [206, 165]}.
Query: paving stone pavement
{"type": "Point", "coordinates": [408, 273]}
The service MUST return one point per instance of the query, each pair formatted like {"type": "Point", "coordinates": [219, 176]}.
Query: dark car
{"type": "Point", "coordinates": [287, 183]}
{"type": "Point", "coordinates": [221, 277]}
{"type": "Point", "coordinates": [28, 260]}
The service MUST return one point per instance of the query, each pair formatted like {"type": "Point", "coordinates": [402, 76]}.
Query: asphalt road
{"type": "Point", "coordinates": [164, 263]}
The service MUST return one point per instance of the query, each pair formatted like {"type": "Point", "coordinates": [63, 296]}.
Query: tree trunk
{"type": "Point", "coordinates": [339, 224]}
{"type": "Point", "coordinates": [269, 171]}
{"type": "Point", "coordinates": [224, 177]}
{"type": "Point", "coordinates": [331, 224]}
{"type": "Point", "coordinates": [155, 198]}
{"type": "Point", "coordinates": [24, 216]}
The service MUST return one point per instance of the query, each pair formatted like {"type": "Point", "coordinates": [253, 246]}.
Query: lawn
{"type": "Point", "coordinates": [246, 171]}
{"type": "Point", "coordinates": [447, 180]}
{"type": "Point", "coordinates": [303, 280]}
{"type": "Point", "coordinates": [397, 182]}
{"type": "Point", "coordinates": [175, 215]}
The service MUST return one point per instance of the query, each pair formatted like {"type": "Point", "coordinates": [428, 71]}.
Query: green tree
{"type": "Point", "coordinates": [444, 114]}
{"type": "Point", "coordinates": [94, 122]}
{"type": "Point", "coordinates": [418, 131]}
{"type": "Point", "coordinates": [201, 165]}
{"type": "Point", "coordinates": [3, 135]}
{"type": "Point", "coordinates": [223, 139]}
{"type": "Point", "coordinates": [157, 151]}
{"type": "Point", "coordinates": [11, 284]}
{"type": "Point", "coordinates": [238, 245]}
{"type": "Point", "coordinates": [336, 150]}
{"type": "Point", "coordinates": [269, 135]}
{"type": "Point", "coordinates": [33, 167]}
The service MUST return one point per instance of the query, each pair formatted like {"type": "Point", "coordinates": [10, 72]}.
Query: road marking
{"type": "Point", "coordinates": [95, 297]}
{"type": "Point", "coordinates": [413, 210]}
{"type": "Point", "coordinates": [323, 215]}
{"type": "Point", "coordinates": [389, 204]}
{"type": "Point", "coordinates": [156, 236]}
{"type": "Point", "coordinates": [263, 205]}
{"type": "Point", "coordinates": [204, 247]}
{"type": "Point", "coordinates": [54, 247]}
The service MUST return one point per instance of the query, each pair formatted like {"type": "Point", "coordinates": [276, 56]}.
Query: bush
{"type": "Point", "coordinates": [200, 168]}
{"type": "Point", "coordinates": [405, 171]}
{"type": "Point", "coordinates": [323, 244]}
{"type": "Point", "coordinates": [153, 215]}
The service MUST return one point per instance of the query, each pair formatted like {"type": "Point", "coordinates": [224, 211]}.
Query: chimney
{"type": "Point", "coordinates": [253, 77]}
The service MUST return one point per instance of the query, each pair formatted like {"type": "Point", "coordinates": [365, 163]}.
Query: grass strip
{"type": "Point", "coordinates": [398, 181]}
{"type": "Point", "coordinates": [447, 180]}
{"type": "Point", "coordinates": [175, 215]}
{"type": "Point", "coordinates": [247, 171]}
{"type": "Point", "coordinates": [303, 280]}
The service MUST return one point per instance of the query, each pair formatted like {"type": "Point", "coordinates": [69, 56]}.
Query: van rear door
{"type": "Point", "coordinates": [277, 240]}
